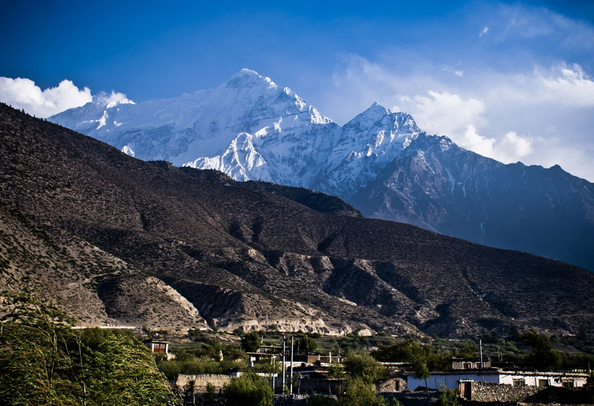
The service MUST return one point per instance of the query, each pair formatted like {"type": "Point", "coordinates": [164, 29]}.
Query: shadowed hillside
{"type": "Point", "coordinates": [134, 242]}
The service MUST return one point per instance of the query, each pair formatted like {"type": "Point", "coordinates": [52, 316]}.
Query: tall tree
{"type": "Point", "coordinates": [543, 356]}
{"type": "Point", "coordinates": [307, 344]}
{"type": "Point", "coordinates": [43, 361]}
{"type": "Point", "coordinates": [251, 342]}
{"type": "Point", "coordinates": [359, 393]}
{"type": "Point", "coordinates": [421, 371]}
{"type": "Point", "coordinates": [365, 367]}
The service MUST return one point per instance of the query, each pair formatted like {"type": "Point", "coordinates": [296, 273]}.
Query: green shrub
{"type": "Point", "coordinates": [359, 393]}
{"type": "Point", "coordinates": [248, 390]}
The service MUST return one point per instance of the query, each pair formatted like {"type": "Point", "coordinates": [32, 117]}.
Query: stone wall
{"type": "Point", "coordinates": [494, 392]}
{"type": "Point", "coordinates": [394, 385]}
{"type": "Point", "coordinates": [200, 381]}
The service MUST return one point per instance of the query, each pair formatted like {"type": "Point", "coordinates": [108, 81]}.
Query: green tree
{"type": "Point", "coordinates": [359, 393]}
{"type": "Point", "coordinates": [402, 351]}
{"type": "Point", "coordinates": [365, 367]}
{"type": "Point", "coordinates": [421, 371]}
{"type": "Point", "coordinates": [543, 356]}
{"type": "Point", "coordinates": [248, 390]}
{"type": "Point", "coordinates": [43, 361]}
{"type": "Point", "coordinates": [307, 344]}
{"type": "Point", "coordinates": [122, 371]}
{"type": "Point", "coordinates": [468, 352]}
{"type": "Point", "coordinates": [211, 393]}
{"type": "Point", "coordinates": [410, 350]}
{"type": "Point", "coordinates": [251, 342]}
{"type": "Point", "coordinates": [35, 361]}
{"type": "Point", "coordinates": [336, 371]}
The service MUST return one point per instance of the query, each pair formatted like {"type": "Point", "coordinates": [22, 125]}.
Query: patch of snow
{"type": "Point", "coordinates": [103, 120]}
{"type": "Point", "coordinates": [126, 149]}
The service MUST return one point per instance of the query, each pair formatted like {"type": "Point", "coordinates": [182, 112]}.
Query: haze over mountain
{"type": "Point", "coordinates": [127, 241]}
{"type": "Point", "coordinates": [380, 161]}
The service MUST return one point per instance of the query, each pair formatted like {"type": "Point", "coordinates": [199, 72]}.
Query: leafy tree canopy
{"type": "Point", "coordinates": [543, 356]}
{"type": "Point", "coordinates": [248, 390]}
{"type": "Point", "coordinates": [365, 367]}
{"type": "Point", "coordinates": [251, 342]}
{"type": "Point", "coordinates": [359, 393]}
{"type": "Point", "coordinates": [43, 361]}
{"type": "Point", "coordinates": [307, 344]}
{"type": "Point", "coordinates": [411, 351]}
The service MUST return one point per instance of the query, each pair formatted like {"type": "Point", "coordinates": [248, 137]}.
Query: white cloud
{"type": "Point", "coordinates": [507, 149]}
{"type": "Point", "coordinates": [475, 142]}
{"type": "Point", "coordinates": [484, 31]}
{"type": "Point", "coordinates": [514, 146]}
{"type": "Point", "coordinates": [538, 115]}
{"type": "Point", "coordinates": [23, 93]}
{"type": "Point", "coordinates": [570, 86]}
{"type": "Point", "coordinates": [457, 72]}
{"type": "Point", "coordinates": [111, 98]}
{"type": "Point", "coordinates": [443, 112]}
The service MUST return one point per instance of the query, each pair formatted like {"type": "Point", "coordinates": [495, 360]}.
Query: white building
{"type": "Point", "coordinates": [451, 379]}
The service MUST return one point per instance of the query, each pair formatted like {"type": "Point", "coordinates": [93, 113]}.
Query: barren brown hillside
{"type": "Point", "coordinates": [132, 242]}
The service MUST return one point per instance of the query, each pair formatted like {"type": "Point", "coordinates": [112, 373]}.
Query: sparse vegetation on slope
{"type": "Point", "coordinates": [194, 248]}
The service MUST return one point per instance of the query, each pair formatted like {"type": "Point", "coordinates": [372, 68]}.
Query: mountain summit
{"type": "Point", "coordinates": [380, 161]}
{"type": "Point", "coordinates": [193, 125]}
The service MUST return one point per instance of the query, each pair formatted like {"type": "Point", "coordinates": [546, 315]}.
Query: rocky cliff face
{"type": "Point", "coordinates": [135, 242]}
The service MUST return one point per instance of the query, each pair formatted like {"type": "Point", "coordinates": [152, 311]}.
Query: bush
{"type": "Point", "coordinates": [319, 400]}
{"type": "Point", "coordinates": [248, 390]}
{"type": "Point", "coordinates": [448, 397]}
{"type": "Point", "coordinates": [359, 393]}
{"type": "Point", "coordinates": [365, 367]}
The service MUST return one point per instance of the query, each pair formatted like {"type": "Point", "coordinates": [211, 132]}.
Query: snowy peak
{"type": "Point", "coordinates": [247, 78]}
{"type": "Point", "coordinates": [378, 115]}
{"type": "Point", "coordinates": [195, 125]}
{"type": "Point", "coordinates": [240, 160]}
{"type": "Point", "coordinates": [252, 129]}
{"type": "Point", "coordinates": [374, 113]}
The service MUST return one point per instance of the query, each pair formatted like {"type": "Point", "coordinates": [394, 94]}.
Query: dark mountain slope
{"type": "Point", "coordinates": [380, 161]}
{"type": "Point", "coordinates": [440, 186]}
{"type": "Point", "coordinates": [251, 255]}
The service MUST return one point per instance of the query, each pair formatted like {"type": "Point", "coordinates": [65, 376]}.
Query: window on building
{"type": "Point", "coordinates": [519, 382]}
{"type": "Point", "coordinates": [543, 383]}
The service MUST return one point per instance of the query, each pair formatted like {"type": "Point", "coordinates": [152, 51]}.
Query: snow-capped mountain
{"type": "Point", "coordinates": [194, 125]}
{"type": "Point", "coordinates": [366, 145]}
{"type": "Point", "coordinates": [328, 158]}
{"type": "Point", "coordinates": [380, 161]}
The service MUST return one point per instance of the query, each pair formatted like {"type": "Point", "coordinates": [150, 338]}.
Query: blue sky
{"type": "Point", "coordinates": [510, 80]}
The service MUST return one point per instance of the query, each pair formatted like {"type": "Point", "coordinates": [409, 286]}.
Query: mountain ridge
{"type": "Point", "coordinates": [197, 248]}
{"type": "Point", "coordinates": [252, 129]}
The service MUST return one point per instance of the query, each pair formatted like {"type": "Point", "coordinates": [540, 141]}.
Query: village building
{"type": "Point", "coordinates": [159, 347]}
{"type": "Point", "coordinates": [452, 379]}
